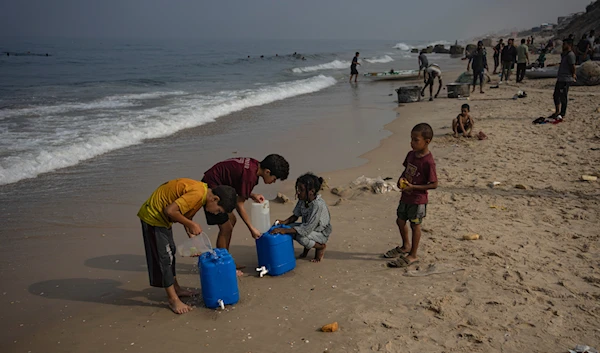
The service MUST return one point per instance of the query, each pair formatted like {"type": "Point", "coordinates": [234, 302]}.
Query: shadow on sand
{"type": "Point", "coordinates": [102, 290]}
{"type": "Point", "coordinates": [133, 263]}
{"type": "Point", "coordinates": [108, 291]}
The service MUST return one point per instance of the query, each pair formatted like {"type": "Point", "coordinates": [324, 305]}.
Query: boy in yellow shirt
{"type": "Point", "coordinates": [178, 201]}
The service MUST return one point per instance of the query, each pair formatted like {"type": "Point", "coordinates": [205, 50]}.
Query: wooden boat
{"type": "Point", "coordinates": [546, 72]}
{"type": "Point", "coordinates": [396, 75]}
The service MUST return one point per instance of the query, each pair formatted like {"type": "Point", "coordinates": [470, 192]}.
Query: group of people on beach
{"type": "Point", "coordinates": [228, 184]}
{"type": "Point", "coordinates": [224, 187]}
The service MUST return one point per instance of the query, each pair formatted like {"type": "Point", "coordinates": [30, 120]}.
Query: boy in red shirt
{"type": "Point", "coordinates": [243, 175]}
{"type": "Point", "coordinates": [419, 176]}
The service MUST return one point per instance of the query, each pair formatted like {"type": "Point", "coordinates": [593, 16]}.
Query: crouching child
{"type": "Point", "coordinates": [315, 229]}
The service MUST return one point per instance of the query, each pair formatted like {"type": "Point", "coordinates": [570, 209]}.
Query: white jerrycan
{"type": "Point", "coordinates": [261, 216]}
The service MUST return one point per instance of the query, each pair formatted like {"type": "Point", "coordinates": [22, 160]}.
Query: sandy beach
{"type": "Point", "coordinates": [530, 284]}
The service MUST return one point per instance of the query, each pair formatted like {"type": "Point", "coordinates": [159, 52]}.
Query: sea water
{"type": "Point", "coordinates": [89, 97]}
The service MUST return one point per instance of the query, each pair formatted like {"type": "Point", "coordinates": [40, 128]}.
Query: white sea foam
{"type": "Point", "coordinates": [380, 59]}
{"type": "Point", "coordinates": [110, 102]}
{"type": "Point", "coordinates": [68, 142]}
{"type": "Point", "coordinates": [333, 65]}
{"type": "Point", "coordinates": [402, 46]}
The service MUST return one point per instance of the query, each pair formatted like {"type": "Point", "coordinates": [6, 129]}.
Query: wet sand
{"type": "Point", "coordinates": [72, 244]}
{"type": "Point", "coordinates": [74, 278]}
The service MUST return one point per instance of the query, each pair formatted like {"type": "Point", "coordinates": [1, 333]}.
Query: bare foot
{"type": "Point", "coordinates": [179, 307]}
{"type": "Point", "coordinates": [455, 135]}
{"type": "Point", "coordinates": [239, 273]}
{"type": "Point", "coordinates": [319, 254]}
{"type": "Point", "coordinates": [304, 253]}
{"type": "Point", "coordinates": [482, 92]}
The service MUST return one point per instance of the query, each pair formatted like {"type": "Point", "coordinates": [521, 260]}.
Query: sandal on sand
{"type": "Point", "coordinates": [401, 262]}
{"type": "Point", "coordinates": [395, 252]}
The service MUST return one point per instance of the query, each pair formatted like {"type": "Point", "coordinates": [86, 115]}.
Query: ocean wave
{"type": "Point", "coordinates": [110, 102]}
{"type": "Point", "coordinates": [402, 46]}
{"type": "Point", "coordinates": [380, 59]}
{"type": "Point", "coordinates": [333, 65]}
{"type": "Point", "coordinates": [75, 140]}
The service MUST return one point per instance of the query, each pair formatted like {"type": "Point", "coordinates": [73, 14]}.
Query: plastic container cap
{"type": "Point", "coordinates": [195, 246]}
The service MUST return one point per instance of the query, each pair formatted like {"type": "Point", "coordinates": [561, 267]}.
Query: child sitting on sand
{"type": "Point", "coordinates": [177, 201]}
{"type": "Point", "coordinates": [464, 122]}
{"type": "Point", "coordinates": [315, 228]}
{"type": "Point", "coordinates": [419, 176]}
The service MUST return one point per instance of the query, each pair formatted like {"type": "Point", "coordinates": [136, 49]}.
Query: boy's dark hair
{"type": "Point", "coordinates": [523, 41]}
{"type": "Point", "coordinates": [425, 130]}
{"type": "Point", "coordinates": [568, 41]}
{"type": "Point", "coordinates": [357, 53]}
{"type": "Point", "coordinates": [465, 106]}
{"type": "Point", "coordinates": [278, 166]}
{"type": "Point", "coordinates": [227, 197]}
{"type": "Point", "coordinates": [310, 182]}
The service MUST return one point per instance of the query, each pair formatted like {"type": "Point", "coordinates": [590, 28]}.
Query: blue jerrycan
{"type": "Point", "coordinates": [275, 253]}
{"type": "Point", "coordinates": [218, 279]}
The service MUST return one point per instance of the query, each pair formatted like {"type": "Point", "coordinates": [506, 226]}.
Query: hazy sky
{"type": "Point", "coordinates": [331, 19]}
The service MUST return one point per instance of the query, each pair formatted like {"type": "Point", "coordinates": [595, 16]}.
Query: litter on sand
{"type": "Point", "coordinates": [589, 178]}
{"type": "Point", "coordinates": [471, 237]}
{"type": "Point", "coordinates": [330, 327]}
{"type": "Point", "coordinates": [377, 185]}
{"type": "Point", "coordinates": [581, 348]}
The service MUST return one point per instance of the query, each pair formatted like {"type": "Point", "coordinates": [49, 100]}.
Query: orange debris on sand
{"type": "Point", "coordinates": [331, 327]}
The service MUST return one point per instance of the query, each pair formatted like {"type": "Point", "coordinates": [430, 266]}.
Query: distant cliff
{"type": "Point", "coordinates": [582, 23]}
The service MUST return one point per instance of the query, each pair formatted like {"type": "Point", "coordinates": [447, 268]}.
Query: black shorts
{"type": "Point", "coordinates": [160, 255]}
{"type": "Point", "coordinates": [412, 213]}
{"type": "Point", "coordinates": [353, 71]}
{"type": "Point", "coordinates": [460, 131]}
{"type": "Point", "coordinates": [216, 219]}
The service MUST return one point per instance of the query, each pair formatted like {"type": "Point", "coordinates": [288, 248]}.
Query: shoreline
{"type": "Point", "coordinates": [490, 295]}
{"type": "Point", "coordinates": [85, 236]}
